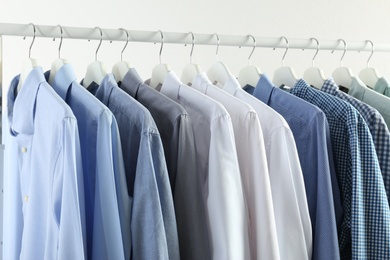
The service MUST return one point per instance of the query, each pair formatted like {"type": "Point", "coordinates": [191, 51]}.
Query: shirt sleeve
{"type": "Point", "coordinates": [68, 199]}
{"type": "Point", "coordinates": [225, 201]}
{"type": "Point", "coordinates": [190, 209]}
{"type": "Point", "coordinates": [256, 181]}
{"type": "Point", "coordinates": [288, 193]}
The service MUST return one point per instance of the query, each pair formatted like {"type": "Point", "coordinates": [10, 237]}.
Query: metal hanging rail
{"type": "Point", "coordinates": [10, 29]}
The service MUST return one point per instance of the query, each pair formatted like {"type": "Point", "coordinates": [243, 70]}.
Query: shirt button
{"type": "Point", "coordinates": [26, 198]}
{"type": "Point", "coordinates": [24, 149]}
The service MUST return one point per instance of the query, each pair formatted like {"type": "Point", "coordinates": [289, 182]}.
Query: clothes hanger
{"type": "Point", "coordinates": [58, 63]}
{"type": "Point", "coordinates": [96, 71]}
{"type": "Point", "coordinates": [161, 70]}
{"type": "Point", "coordinates": [249, 75]}
{"type": "Point", "coordinates": [343, 75]}
{"type": "Point", "coordinates": [285, 76]}
{"type": "Point", "coordinates": [122, 67]}
{"type": "Point", "coordinates": [369, 76]}
{"type": "Point", "coordinates": [218, 72]}
{"type": "Point", "coordinates": [29, 64]}
{"type": "Point", "coordinates": [314, 76]}
{"type": "Point", "coordinates": [191, 70]}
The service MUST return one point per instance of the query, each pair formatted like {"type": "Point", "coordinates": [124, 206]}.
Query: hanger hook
{"type": "Point", "coordinates": [162, 44]}
{"type": "Point", "coordinates": [287, 47]}
{"type": "Point", "coordinates": [345, 50]}
{"type": "Point", "coordinates": [29, 50]}
{"type": "Point", "coordinates": [216, 52]}
{"type": "Point", "coordinates": [318, 49]}
{"type": "Point", "coordinates": [372, 52]}
{"type": "Point", "coordinates": [192, 48]}
{"type": "Point", "coordinates": [254, 47]}
{"type": "Point", "coordinates": [61, 37]}
{"type": "Point", "coordinates": [100, 43]}
{"type": "Point", "coordinates": [127, 41]}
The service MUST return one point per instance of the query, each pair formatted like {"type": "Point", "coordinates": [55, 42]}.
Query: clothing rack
{"type": "Point", "coordinates": [11, 29]}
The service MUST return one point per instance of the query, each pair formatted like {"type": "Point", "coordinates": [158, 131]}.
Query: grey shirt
{"type": "Point", "coordinates": [177, 136]}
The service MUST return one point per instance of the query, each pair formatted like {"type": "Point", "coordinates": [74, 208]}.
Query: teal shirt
{"type": "Point", "coordinates": [372, 98]}
{"type": "Point", "coordinates": [382, 86]}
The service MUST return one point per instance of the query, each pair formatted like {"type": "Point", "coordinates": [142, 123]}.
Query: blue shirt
{"type": "Point", "coordinates": [311, 133]}
{"type": "Point", "coordinates": [175, 127]}
{"type": "Point", "coordinates": [377, 125]}
{"type": "Point", "coordinates": [365, 231]}
{"type": "Point", "coordinates": [49, 169]}
{"type": "Point", "coordinates": [382, 86]}
{"type": "Point", "coordinates": [107, 203]}
{"type": "Point", "coordinates": [153, 222]}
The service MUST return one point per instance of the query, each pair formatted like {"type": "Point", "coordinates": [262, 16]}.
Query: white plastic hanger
{"type": "Point", "coordinates": [161, 70]}
{"type": "Point", "coordinates": [314, 76]}
{"type": "Point", "coordinates": [121, 68]}
{"type": "Point", "coordinates": [191, 70]}
{"type": "Point", "coordinates": [29, 64]}
{"type": "Point", "coordinates": [218, 72]}
{"type": "Point", "coordinates": [249, 75]}
{"type": "Point", "coordinates": [369, 76]}
{"type": "Point", "coordinates": [96, 71]}
{"type": "Point", "coordinates": [343, 75]}
{"type": "Point", "coordinates": [58, 63]}
{"type": "Point", "coordinates": [285, 75]}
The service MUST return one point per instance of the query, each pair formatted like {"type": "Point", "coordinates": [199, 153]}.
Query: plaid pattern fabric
{"type": "Point", "coordinates": [365, 230]}
{"type": "Point", "coordinates": [377, 125]}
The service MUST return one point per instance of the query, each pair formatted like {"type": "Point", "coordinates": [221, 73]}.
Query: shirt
{"type": "Point", "coordinates": [153, 222]}
{"type": "Point", "coordinates": [253, 166]}
{"type": "Point", "coordinates": [365, 231]}
{"type": "Point", "coordinates": [311, 134]}
{"type": "Point", "coordinates": [382, 86]}
{"type": "Point", "coordinates": [292, 218]}
{"type": "Point", "coordinates": [107, 202]}
{"type": "Point", "coordinates": [371, 97]}
{"type": "Point", "coordinates": [175, 127]}
{"type": "Point", "coordinates": [375, 122]}
{"type": "Point", "coordinates": [49, 169]}
{"type": "Point", "coordinates": [218, 169]}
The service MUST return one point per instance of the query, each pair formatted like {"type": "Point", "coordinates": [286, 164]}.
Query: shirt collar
{"type": "Point", "coordinates": [104, 91]}
{"type": "Point", "coordinates": [330, 86]}
{"type": "Point", "coordinates": [201, 82]}
{"type": "Point", "coordinates": [381, 85]}
{"type": "Point", "coordinates": [63, 80]}
{"type": "Point", "coordinates": [171, 85]}
{"type": "Point", "coordinates": [131, 83]}
{"type": "Point", "coordinates": [231, 85]}
{"type": "Point", "coordinates": [21, 110]}
{"type": "Point", "coordinates": [264, 89]}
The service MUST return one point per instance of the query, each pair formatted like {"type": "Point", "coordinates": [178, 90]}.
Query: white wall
{"type": "Point", "coordinates": [327, 20]}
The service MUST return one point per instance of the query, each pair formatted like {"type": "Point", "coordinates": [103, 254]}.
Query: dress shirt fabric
{"type": "Point", "coordinates": [153, 222]}
{"type": "Point", "coordinates": [107, 203]}
{"type": "Point", "coordinates": [288, 189]}
{"type": "Point", "coordinates": [365, 231]}
{"type": "Point", "coordinates": [218, 168]}
{"type": "Point", "coordinates": [252, 161]}
{"type": "Point", "coordinates": [371, 97]}
{"type": "Point", "coordinates": [50, 171]}
{"type": "Point", "coordinates": [311, 134]}
{"type": "Point", "coordinates": [175, 127]}
{"type": "Point", "coordinates": [375, 122]}
{"type": "Point", "coordinates": [382, 86]}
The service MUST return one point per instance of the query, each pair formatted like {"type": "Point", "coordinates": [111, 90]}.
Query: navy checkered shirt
{"type": "Point", "coordinates": [365, 230]}
{"type": "Point", "coordinates": [377, 125]}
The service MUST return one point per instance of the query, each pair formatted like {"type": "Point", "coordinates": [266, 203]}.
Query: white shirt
{"type": "Point", "coordinates": [288, 191]}
{"type": "Point", "coordinates": [252, 161]}
{"type": "Point", "coordinates": [218, 169]}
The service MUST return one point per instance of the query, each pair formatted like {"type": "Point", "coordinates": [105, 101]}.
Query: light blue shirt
{"type": "Point", "coordinates": [50, 171]}
{"type": "Point", "coordinates": [311, 133]}
{"type": "Point", "coordinates": [106, 197]}
{"type": "Point", "coordinates": [153, 222]}
{"type": "Point", "coordinates": [382, 86]}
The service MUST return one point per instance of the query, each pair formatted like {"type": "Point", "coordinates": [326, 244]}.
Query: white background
{"type": "Point", "coordinates": [351, 20]}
